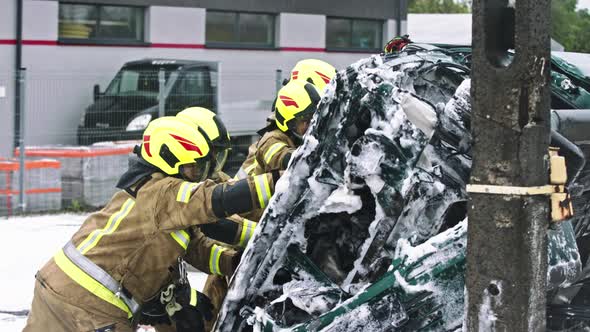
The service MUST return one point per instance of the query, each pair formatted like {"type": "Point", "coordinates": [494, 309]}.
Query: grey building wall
{"type": "Point", "coordinates": [7, 57]}
{"type": "Point", "coordinates": [310, 30]}
{"type": "Point", "coordinates": [58, 90]}
{"type": "Point", "coordinates": [61, 77]}
{"type": "Point", "coordinates": [373, 9]}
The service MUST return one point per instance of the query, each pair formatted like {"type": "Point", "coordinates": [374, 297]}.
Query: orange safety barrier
{"type": "Point", "coordinates": [9, 166]}
{"type": "Point", "coordinates": [31, 191]}
{"type": "Point", "coordinates": [82, 152]}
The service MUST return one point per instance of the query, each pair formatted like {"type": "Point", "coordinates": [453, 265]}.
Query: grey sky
{"type": "Point", "coordinates": [583, 4]}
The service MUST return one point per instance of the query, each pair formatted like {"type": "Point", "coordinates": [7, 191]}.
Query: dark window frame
{"type": "Point", "coordinates": [236, 32]}
{"type": "Point", "coordinates": [351, 25]}
{"type": "Point", "coordinates": [105, 41]}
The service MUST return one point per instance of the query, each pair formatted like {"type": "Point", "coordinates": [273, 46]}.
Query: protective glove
{"type": "Point", "coordinates": [188, 320]}
{"type": "Point", "coordinates": [153, 312]}
{"type": "Point", "coordinates": [193, 307]}
{"type": "Point", "coordinates": [397, 44]}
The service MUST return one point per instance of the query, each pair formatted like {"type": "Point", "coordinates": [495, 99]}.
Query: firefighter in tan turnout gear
{"type": "Point", "coordinates": [122, 256]}
{"type": "Point", "coordinates": [293, 108]}
{"type": "Point", "coordinates": [296, 102]}
{"type": "Point", "coordinates": [234, 230]}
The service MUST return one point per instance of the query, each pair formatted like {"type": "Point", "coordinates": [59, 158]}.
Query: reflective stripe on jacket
{"type": "Point", "coordinates": [270, 151]}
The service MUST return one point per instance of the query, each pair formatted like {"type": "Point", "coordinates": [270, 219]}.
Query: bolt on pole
{"type": "Point", "coordinates": [507, 234]}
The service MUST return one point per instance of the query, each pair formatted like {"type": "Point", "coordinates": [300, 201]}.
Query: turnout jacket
{"type": "Point", "coordinates": [135, 240]}
{"type": "Point", "coordinates": [272, 152]}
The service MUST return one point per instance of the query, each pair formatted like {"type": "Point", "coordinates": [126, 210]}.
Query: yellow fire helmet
{"type": "Point", "coordinates": [215, 130]}
{"type": "Point", "coordinates": [296, 99]}
{"type": "Point", "coordinates": [316, 72]}
{"type": "Point", "coordinates": [169, 143]}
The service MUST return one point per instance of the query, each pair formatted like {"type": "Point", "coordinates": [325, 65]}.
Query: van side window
{"type": "Point", "coordinates": [129, 81]}
{"type": "Point", "coordinates": [194, 82]}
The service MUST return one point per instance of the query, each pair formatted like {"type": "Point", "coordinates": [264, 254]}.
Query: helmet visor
{"type": "Point", "coordinates": [220, 159]}
{"type": "Point", "coordinates": [197, 171]}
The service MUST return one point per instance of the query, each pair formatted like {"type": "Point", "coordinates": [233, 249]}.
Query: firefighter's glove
{"type": "Point", "coordinates": [188, 320]}
{"type": "Point", "coordinates": [153, 312]}
{"type": "Point", "coordinates": [397, 44]}
{"type": "Point", "coordinates": [189, 309]}
{"type": "Point", "coordinates": [188, 297]}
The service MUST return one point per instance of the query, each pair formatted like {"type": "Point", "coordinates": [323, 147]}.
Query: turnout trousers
{"type": "Point", "coordinates": [50, 312]}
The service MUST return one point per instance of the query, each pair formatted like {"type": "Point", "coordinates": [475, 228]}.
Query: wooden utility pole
{"type": "Point", "coordinates": [507, 232]}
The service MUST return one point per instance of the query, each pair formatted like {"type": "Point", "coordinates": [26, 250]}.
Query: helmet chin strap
{"type": "Point", "coordinates": [296, 137]}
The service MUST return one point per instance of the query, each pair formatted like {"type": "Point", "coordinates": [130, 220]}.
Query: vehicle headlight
{"type": "Point", "coordinates": [140, 122]}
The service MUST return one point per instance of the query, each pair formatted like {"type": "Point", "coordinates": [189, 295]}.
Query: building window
{"type": "Point", "coordinates": [353, 34]}
{"type": "Point", "coordinates": [232, 29]}
{"type": "Point", "coordinates": [101, 24]}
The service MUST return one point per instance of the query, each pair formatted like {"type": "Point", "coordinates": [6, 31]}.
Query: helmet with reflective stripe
{"type": "Point", "coordinates": [295, 100]}
{"type": "Point", "coordinates": [316, 72]}
{"type": "Point", "coordinates": [170, 143]}
{"type": "Point", "coordinates": [215, 130]}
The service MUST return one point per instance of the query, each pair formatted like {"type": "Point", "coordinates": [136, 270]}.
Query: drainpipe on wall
{"type": "Point", "coordinates": [17, 68]}
{"type": "Point", "coordinates": [19, 102]}
{"type": "Point", "coordinates": [398, 18]}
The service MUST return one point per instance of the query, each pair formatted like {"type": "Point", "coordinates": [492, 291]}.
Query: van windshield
{"type": "Point", "coordinates": [136, 82]}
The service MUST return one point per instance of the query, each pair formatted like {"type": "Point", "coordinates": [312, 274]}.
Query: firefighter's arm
{"type": "Point", "coordinates": [241, 196]}
{"type": "Point", "coordinates": [233, 230]}
{"type": "Point", "coordinates": [209, 256]}
{"type": "Point", "coordinates": [182, 204]}
{"type": "Point", "coordinates": [274, 154]}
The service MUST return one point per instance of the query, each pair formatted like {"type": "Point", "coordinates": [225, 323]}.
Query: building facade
{"type": "Point", "coordinates": [69, 46]}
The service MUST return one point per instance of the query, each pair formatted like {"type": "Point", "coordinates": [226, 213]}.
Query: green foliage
{"type": "Point", "coordinates": [438, 6]}
{"type": "Point", "coordinates": [569, 27]}
{"type": "Point", "coordinates": [76, 206]}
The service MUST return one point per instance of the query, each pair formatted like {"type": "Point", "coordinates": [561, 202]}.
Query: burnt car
{"type": "Point", "coordinates": [367, 229]}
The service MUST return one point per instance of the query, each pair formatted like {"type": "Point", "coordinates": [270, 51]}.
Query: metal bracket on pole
{"type": "Point", "coordinates": [161, 97]}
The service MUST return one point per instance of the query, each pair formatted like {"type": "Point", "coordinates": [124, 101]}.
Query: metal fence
{"type": "Point", "coordinates": [76, 137]}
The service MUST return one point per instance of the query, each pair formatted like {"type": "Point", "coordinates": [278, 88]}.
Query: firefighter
{"type": "Point", "coordinates": [215, 131]}
{"type": "Point", "coordinates": [296, 103]}
{"type": "Point", "coordinates": [285, 129]}
{"type": "Point", "coordinates": [316, 72]}
{"type": "Point", "coordinates": [282, 138]}
{"type": "Point", "coordinates": [234, 230]}
{"type": "Point", "coordinates": [121, 257]}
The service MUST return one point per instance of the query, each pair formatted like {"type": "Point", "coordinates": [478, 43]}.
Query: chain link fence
{"type": "Point", "coordinates": [80, 128]}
